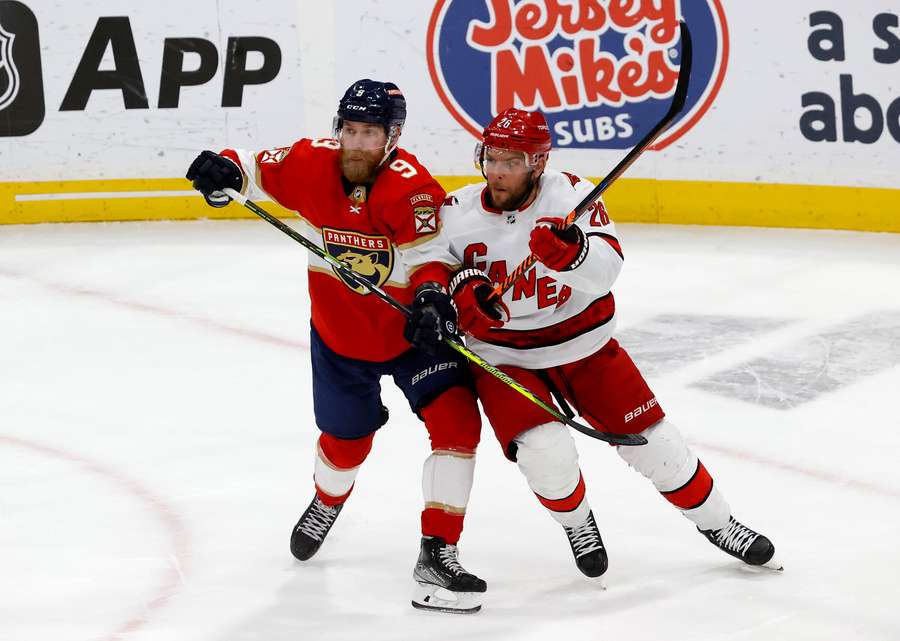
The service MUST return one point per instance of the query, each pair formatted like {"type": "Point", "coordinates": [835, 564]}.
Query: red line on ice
{"type": "Point", "coordinates": [138, 306]}
{"type": "Point", "coordinates": [171, 520]}
{"type": "Point", "coordinates": [818, 475]}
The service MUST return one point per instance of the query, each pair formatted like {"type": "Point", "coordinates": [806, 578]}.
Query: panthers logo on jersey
{"type": "Point", "coordinates": [372, 257]}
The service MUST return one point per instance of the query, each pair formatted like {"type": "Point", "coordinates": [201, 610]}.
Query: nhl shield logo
{"type": "Point", "coordinates": [9, 73]}
{"type": "Point", "coordinates": [603, 72]}
{"type": "Point", "coordinates": [372, 257]}
{"type": "Point", "coordinates": [21, 81]}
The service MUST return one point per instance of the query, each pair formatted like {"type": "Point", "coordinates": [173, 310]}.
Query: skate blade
{"type": "Point", "coordinates": [433, 597]}
{"type": "Point", "coordinates": [772, 565]}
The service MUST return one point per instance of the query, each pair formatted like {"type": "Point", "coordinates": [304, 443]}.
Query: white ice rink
{"type": "Point", "coordinates": [157, 438]}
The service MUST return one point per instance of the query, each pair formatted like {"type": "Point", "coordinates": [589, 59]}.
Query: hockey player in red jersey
{"type": "Point", "coordinates": [553, 330]}
{"type": "Point", "coordinates": [372, 205]}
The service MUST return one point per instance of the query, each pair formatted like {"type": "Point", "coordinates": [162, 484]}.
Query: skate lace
{"type": "Point", "coordinates": [448, 556]}
{"type": "Point", "coordinates": [585, 538]}
{"type": "Point", "coordinates": [736, 537]}
{"type": "Point", "coordinates": [318, 520]}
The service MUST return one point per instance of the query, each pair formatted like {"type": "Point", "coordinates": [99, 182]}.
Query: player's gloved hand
{"type": "Point", "coordinates": [433, 316]}
{"type": "Point", "coordinates": [478, 310]}
{"type": "Point", "coordinates": [210, 173]}
{"type": "Point", "coordinates": [559, 248]}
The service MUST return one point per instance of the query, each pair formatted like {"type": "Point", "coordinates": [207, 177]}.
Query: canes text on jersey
{"type": "Point", "coordinates": [545, 289]}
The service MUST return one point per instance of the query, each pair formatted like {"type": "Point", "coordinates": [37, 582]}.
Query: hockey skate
{"type": "Point", "coordinates": [587, 547]}
{"type": "Point", "coordinates": [743, 543]}
{"type": "Point", "coordinates": [311, 529]}
{"type": "Point", "coordinates": [442, 584]}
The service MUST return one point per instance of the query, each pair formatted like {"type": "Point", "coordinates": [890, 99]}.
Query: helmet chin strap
{"type": "Point", "coordinates": [390, 145]}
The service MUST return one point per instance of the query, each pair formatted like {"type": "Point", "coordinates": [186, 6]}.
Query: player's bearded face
{"type": "Point", "coordinates": [509, 178]}
{"type": "Point", "coordinates": [362, 148]}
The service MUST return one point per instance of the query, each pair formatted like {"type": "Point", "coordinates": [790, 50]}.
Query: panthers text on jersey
{"type": "Point", "coordinates": [387, 232]}
{"type": "Point", "coordinates": [555, 317]}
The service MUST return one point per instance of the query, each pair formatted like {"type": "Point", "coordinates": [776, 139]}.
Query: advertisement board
{"type": "Point", "coordinates": [792, 118]}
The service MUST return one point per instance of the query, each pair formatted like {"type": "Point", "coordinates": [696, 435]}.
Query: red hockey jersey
{"type": "Point", "coordinates": [387, 232]}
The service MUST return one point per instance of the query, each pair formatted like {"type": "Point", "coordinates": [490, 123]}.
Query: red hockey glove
{"type": "Point", "coordinates": [561, 249]}
{"type": "Point", "coordinates": [471, 290]}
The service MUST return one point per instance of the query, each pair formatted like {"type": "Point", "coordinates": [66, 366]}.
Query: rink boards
{"type": "Point", "coordinates": [792, 119]}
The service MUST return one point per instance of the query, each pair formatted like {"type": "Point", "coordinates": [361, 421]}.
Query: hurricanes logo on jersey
{"type": "Point", "coordinates": [372, 257]}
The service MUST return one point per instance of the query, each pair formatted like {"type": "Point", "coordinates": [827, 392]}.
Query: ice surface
{"type": "Point", "coordinates": [156, 446]}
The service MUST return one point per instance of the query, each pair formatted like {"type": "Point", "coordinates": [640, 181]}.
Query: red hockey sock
{"type": "Point", "coordinates": [568, 503]}
{"type": "Point", "coordinates": [447, 525]}
{"type": "Point", "coordinates": [345, 453]}
{"type": "Point", "coordinates": [694, 493]}
{"type": "Point", "coordinates": [336, 464]}
{"type": "Point", "coordinates": [453, 420]}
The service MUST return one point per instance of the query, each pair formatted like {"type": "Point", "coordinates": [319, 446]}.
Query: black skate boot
{"type": "Point", "coordinates": [310, 531]}
{"type": "Point", "coordinates": [587, 547]}
{"type": "Point", "coordinates": [743, 543]}
{"type": "Point", "coordinates": [443, 584]}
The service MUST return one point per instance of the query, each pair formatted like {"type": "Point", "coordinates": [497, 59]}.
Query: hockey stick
{"type": "Point", "coordinates": [681, 89]}
{"type": "Point", "coordinates": [347, 272]}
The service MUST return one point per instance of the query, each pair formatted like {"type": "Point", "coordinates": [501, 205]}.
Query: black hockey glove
{"type": "Point", "coordinates": [210, 173]}
{"type": "Point", "coordinates": [433, 316]}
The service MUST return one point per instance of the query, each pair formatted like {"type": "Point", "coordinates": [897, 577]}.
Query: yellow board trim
{"type": "Point", "coordinates": [68, 209]}
{"type": "Point", "coordinates": [629, 200]}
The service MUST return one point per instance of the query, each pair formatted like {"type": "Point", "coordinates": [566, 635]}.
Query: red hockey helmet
{"type": "Point", "coordinates": [516, 130]}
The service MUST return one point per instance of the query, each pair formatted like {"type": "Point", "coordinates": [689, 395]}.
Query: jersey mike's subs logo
{"type": "Point", "coordinates": [372, 257]}
{"type": "Point", "coordinates": [603, 72]}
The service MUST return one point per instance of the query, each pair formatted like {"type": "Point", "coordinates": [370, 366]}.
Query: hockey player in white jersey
{"type": "Point", "coordinates": [553, 331]}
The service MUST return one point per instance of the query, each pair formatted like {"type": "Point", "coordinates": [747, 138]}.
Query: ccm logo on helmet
{"type": "Point", "coordinates": [646, 407]}
{"type": "Point", "coordinates": [603, 72]}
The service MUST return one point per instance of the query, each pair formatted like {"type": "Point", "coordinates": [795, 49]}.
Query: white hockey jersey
{"type": "Point", "coordinates": [555, 317]}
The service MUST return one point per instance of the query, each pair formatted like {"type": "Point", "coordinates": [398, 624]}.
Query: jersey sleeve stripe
{"type": "Point", "coordinates": [612, 240]}
{"type": "Point", "coordinates": [421, 240]}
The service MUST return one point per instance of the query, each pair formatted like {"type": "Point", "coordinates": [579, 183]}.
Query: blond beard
{"type": "Point", "coordinates": [363, 168]}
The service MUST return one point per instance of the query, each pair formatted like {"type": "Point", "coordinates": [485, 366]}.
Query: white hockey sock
{"type": "Point", "coordinates": [677, 473]}
{"type": "Point", "coordinates": [332, 480]}
{"type": "Point", "coordinates": [447, 480]}
{"type": "Point", "coordinates": [547, 456]}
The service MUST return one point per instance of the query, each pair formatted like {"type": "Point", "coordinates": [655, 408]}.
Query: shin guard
{"type": "Point", "coordinates": [547, 457]}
